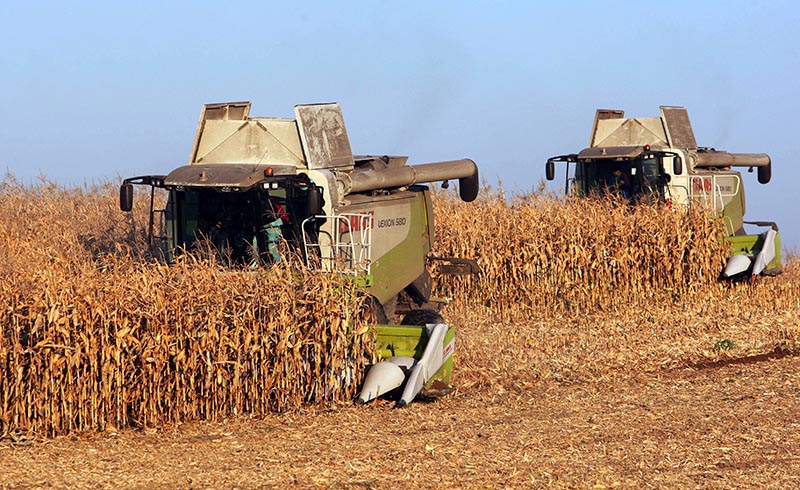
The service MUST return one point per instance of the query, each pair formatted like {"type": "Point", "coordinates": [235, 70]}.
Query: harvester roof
{"type": "Point", "coordinates": [611, 153]}
{"type": "Point", "coordinates": [239, 176]}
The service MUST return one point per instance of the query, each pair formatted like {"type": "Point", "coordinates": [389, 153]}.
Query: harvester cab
{"type": "Point", "coordinates": [256, 187]}
{"type": "Point", "coordinates": [649, 160]}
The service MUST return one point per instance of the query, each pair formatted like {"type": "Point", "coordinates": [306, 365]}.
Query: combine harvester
{"type": "Point", "coordinates": [657, 159]}
{"type": "Point", "coordinates": [254, 185]}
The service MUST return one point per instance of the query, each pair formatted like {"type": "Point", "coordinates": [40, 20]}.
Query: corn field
{"type": "Point", "coordinates": [579, 290]}
{"type": "Point", "coordinates": [542, 255]}
{"type": "Point", "coordinates": [97, 335]}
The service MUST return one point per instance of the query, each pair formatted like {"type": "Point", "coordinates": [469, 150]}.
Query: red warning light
{"type": "Point", "coordinates": [268, 172]}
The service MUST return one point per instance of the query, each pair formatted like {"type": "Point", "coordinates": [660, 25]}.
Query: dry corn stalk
{"type": "Point", "coordinates": [540, 254]}
{"type": "Point", "coordinates": [94, 336]}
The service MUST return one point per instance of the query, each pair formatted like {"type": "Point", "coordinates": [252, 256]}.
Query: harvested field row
{"type": "Point", "coordinates": [729, 427]}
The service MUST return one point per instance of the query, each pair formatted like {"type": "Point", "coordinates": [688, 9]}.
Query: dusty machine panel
{"type": "Point", "coordinates": [257, 141]}
{"type": "Point", "coordinates": [224, 111]}
{"type": "Point", "coordinates": [678, 128]}
{"type": "Point", "coordinates": [324, 136]}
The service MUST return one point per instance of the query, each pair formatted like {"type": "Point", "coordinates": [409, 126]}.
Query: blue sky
{"type": "Point", "coordinates": [93, 90]}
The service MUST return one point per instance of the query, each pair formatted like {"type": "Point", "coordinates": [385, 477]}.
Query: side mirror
{"type": "Point", "coordinates": [126, 197]}
{"type": "Point", "coordinates": [315, 200]}
{"type": "Point", "coordinates": [550, 170]}
{"type": "Point", "coordinates": [677, 165]}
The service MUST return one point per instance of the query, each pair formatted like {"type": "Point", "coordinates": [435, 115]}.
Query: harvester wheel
{"type": "Point", "coordinates": [422, 317]}
{"type": "Point", "coordinates": [390, 307]}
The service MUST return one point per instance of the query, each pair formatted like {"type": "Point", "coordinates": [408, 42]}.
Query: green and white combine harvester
{"type": "Point", "coordinates": [657, 159]}
{"type": "Point", "coordinates": [254, 185]}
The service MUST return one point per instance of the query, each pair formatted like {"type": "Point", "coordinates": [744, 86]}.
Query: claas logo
{"type": "Point", "coordinates": [351, 223]}
{"type": "Point", "coordinates": [701, 184]}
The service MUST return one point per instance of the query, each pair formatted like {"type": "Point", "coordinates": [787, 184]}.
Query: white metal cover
{"type": "Point", "coordinates": [630, 132]}
{"type": "Point", "coordinates": [267, 141]}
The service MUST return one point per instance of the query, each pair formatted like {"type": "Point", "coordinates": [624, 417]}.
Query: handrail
{"type": "Point", "coordinates": [711, 191]}
{"type": "Point", "coordinates": [349, 252]}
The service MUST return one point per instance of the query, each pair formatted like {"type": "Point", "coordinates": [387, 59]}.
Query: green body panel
{"type": "Point", "coordinates": [404, 263]}
{"type": "Point", "coordinates": [406, 340]}
{"type": "Point", "coordinates": [752, 244]}
{"type": "Point", "coordinates": [734, 209]}
{"type": "Point", "coordinates": [364, 281]}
